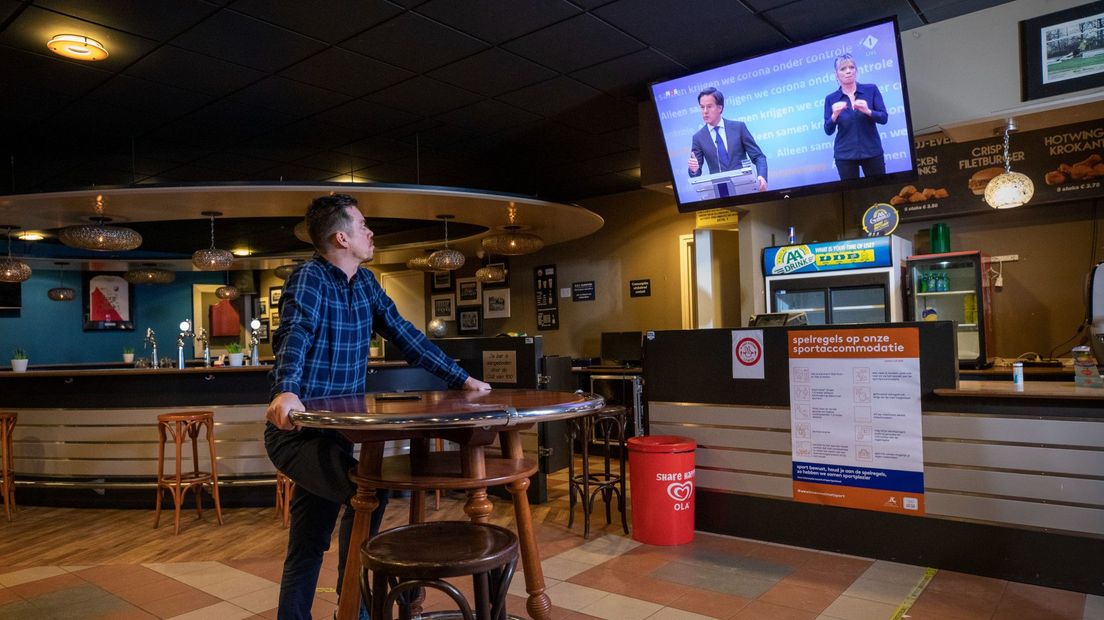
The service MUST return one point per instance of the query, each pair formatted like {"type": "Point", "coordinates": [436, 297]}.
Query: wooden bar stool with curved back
{"type": "Point", "coordinates": [7, 461]}
{"type": "Point", "coordinates": [406, 559]}
{"type": "Point", "coordinates": [181, 426]}
{"type": "Point", "coordinates": [285, 487]}
{"type": "Point", "coordinates": [607, 427]}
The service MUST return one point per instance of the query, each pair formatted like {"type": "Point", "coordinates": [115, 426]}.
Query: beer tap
{"type": "Point", "coordinates": [254, 355]}
{"type": "Point", "coordinates": [185, 333]}
{"type": "Point", "coordinates": [151, 340]}
{"type": "Point", "coordinates": [202, 337]}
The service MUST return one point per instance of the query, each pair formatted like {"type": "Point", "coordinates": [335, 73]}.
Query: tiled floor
{"type": "Point", "coordinates": [610, 576]}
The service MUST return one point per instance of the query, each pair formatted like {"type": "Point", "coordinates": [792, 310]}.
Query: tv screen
{"type": "Point", "coordinates": [789, 122]}
{"type": "Point", "coordinates": [11, 295]}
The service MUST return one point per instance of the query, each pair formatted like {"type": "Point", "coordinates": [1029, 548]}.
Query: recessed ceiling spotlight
{"type": "Point", "coordinates": [241, 251]}
{"type": "Point", "coordinates": [30, 235]}
{"type": "Point", "coordinates": [77, 47]}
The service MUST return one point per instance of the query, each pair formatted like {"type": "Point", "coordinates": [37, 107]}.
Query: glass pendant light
{"type": "Point", "coordinates": [446, 259]}
{"type": "Point", "coordinates": [100, 238]}
{"type": "Point", "coordinates": [61, 293]}
{"type": "Point", "coordinates": [149, 274]}
{"type": "Point", "coordinates": [1009, 189]}
{"type": "Point", "coordinates": [212, 258]}
{"type": "Point", "coordinates": [11, 269]}
{"type": "Point", "coordinates": [512, 241]}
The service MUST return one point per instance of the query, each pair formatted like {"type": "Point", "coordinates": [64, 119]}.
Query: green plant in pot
{"type": "Point", "coordinates": [128, 355]}
{"type": "Point", "coordinates": [234, 350]}
{"type": "Point", "coordinates": [19, 360]}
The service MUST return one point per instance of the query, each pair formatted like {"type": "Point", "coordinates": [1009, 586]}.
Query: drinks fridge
{"type": "Point", "coordinates": [954, 287]}
{"type": "Point", "coordinates": [849, 281]}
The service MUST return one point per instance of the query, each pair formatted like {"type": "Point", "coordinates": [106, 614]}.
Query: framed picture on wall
{"type": "Point", "coordinates": [107, 302]}
{"type": "Point", "coordinates": [262, 331]}
{"type": "Point", "coordinates": [496, 303]}
{"type": "Point", "coordinates": [1062, 52]}
{"type": "Point", "coordinates": [274, 318]}
{"type": "Point", "coordinates": [443, 307]}
{"type": "Point", "coordinates": [467, 292]}
{"type": "Point", "coordinates": [469, 322]}
{"type": "Point", "coordinates": [442, 280]}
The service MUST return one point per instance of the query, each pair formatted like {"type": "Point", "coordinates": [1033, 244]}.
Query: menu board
{"type": "Point", "coordinates": [544, 288]}
{"type": "Point", "coordinates": [1064, 163]}
{"type": "Point", "coordinates": [855, 418]}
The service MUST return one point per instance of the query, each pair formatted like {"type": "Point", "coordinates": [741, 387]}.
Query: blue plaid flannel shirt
{"type": "Point", "coordinates": [326, 325]}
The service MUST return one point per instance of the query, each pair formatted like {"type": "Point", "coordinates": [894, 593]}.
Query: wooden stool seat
{"type": "Point", "coordinates": [408, 558]}
{"type": "Point", "coordinates": [7, 461]}
{"type": "Point", "coordinates": [285, 487]}
{"type": "Point", "coordinates": [608, 425]}
{"type": "Point", "coordinates": [183, 426]}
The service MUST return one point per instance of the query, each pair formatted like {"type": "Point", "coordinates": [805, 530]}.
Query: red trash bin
{"type": "Point", "coordinates": [661, 476]}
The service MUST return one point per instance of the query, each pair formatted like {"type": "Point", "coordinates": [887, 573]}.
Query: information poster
{"type": "Point", "coordinates": [500, 366]}
{"type": "Point", "coordinates": [855, 418]}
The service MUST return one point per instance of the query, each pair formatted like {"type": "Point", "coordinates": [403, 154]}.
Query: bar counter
{"type": "Point", "coordinates": [88, 436]}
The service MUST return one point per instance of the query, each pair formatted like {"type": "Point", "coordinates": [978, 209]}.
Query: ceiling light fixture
{"type": "Point", "coordinates": [490, 273]}
{"type": "Point", "coordinates": [302, 233]}
{"type": "Point", "coordinates": [61, 293]}
{"type": "Point", "coordinates": [1008, 189]}
{"type": "Point", "coordinates": [212, 258]}
{"type": "Point", "coordinates": [149, 274]}
{"type": "Point", "coordinates": [446, 259]}
{"type": "Point", "coordinates": [77, 47]}
{"type": "Point", "coordinates": [98, 237]}
{"type": "Point", "coordinates": [241, 252]}
{"type": "Point", "coordinates": [512, 242]}
{"type": "Point", "coordinates": [283, 271]}
{"type": "Point", "coordinates": [13, 270]}
{"type": "Point", "coordinates": [419, 263]}
{"type": "Point", "coordinates": [30, 235]}
{"type": "Point", "coordinates": [227, 292]}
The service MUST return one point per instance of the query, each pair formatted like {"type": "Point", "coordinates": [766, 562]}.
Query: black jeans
{"type": "Point", "coordinates": [871, 166]}
{"type": "Point", "coordinates": [318, 461]}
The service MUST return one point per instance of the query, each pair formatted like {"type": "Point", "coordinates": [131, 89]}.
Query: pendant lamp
{"type": "Point", "coordinates": [100, 238]}
{"type": "Point", "coordinates": [61, 293]}
{"type": "Point", "coordinates": [446, 259]}
{"type": "Point", "coordinates": [212, 258]}
{"type": "Point", "coordinates": [512, 241]}
{"type": "Point", "coordinates": [149, 274]}
{"type": "Point", "coordinates": [1009, 189]}
{"type": "Point", "coordinates": [11, 269]}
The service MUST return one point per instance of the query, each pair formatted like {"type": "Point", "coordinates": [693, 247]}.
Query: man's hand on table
{"type": "Point", "coordinates": [475, 385]}
{"type": "Point", "coordinates": [280, 407]}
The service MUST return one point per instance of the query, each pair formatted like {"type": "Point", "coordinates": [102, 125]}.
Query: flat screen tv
{"type": "Point", "coordinates": [781, 100]}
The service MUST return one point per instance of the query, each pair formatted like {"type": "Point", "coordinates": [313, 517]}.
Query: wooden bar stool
{"type": "Point", "coordinates": [181, 426]}
{"type": "Point", "coordinates": [285, 487]}
{"type": "Point", "coordinates": [7, 461]}
{"type": "Point", "coordinates": [405, 559]}
{"type": "Point", "coordinates": [608, 427]}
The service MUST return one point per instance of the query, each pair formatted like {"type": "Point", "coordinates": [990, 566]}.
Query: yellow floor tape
{"type": "Point", "coordinates": [902, 609]}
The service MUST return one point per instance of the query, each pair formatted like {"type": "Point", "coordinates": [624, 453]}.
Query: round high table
{"type": "Point", "coordinates": [472, 420]}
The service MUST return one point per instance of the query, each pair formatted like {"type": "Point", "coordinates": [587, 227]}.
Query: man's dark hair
{"type": "Point", "coordinates": [718, 96]}
{"type": "Point", "coordinates": [326, 215]}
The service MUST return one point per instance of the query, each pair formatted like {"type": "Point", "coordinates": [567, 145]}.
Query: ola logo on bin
{"type": "Point", "coordinates": [680, 491]}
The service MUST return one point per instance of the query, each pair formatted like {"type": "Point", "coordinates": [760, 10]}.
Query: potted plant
{"type": "Point", "coordinates": [235, 351]}
{"type": "Point", "coordinates": [128, 355]}
{"type": "Point", "coordinates": [19, 360]}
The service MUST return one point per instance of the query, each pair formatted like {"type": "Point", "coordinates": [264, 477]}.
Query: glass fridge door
{"type": "Point", "coordinates": [947, 290]}
{"type": "Point", "coordinates": [811, 302]}
{"type": "Point", "coordinates": [865, 304]}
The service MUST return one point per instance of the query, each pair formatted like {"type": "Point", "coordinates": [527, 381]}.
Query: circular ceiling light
{"type": "Point", "coordinates": [12, 269]}
{"type": "Point", "coordinates": [212, 258]}
{"type": "Point", "coordinates": [98, 237]}
{"type": "Point", "coordinates": [77, 47]}
{"type": "Point", "coordinates": [446, 259]}
{"type": "Point", "coordinates": [227, 292]}
{"type": "Point", "coordinates": [149, 275]}
{"type": "Point", "coordinates": [491, 273]}
{"type": "Point", "coordinates": [512, 242]}
{"type": "Point", "coordinates": [30, 235]}
{"type": "Point", "coordinates": [61, 293]}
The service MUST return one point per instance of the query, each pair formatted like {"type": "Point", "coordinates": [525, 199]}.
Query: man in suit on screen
{"type": "Point", "coordinates": [723, 144]}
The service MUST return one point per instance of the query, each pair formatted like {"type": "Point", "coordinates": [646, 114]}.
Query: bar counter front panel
{"type": "Point", "coordinates": [1014, 481]}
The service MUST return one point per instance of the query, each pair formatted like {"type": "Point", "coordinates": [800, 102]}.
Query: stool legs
{"type": "Point", "coordinates": [285, 487]}
{"type": "Point", "coordinates": [7, 463]}
{"type": "Point", "coordinates": [611, 427]}
{"type": "Point", "coordinates": [181, 430]}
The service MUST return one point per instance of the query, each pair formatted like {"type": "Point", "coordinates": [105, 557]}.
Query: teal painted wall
{"type": "Point", "coordinates": [51, 332]}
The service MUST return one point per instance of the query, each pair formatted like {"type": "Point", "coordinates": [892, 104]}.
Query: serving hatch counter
{"type": "Point", "coordinates": [1012, 483]}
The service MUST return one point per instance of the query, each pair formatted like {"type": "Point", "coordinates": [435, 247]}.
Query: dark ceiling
{"type": "Point", "coordinates": [537, 97]}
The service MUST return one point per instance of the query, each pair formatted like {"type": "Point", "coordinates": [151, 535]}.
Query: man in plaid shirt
{"type": "Point", "coordinates": [329, 310]}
